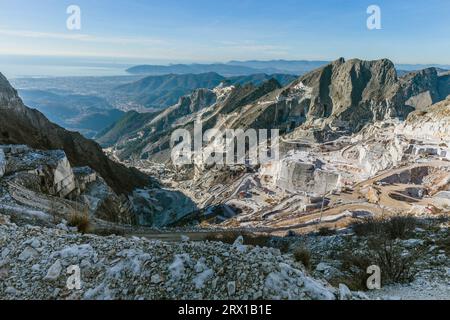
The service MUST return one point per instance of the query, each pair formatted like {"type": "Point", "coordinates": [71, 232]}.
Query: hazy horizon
{"type": "Point", "coordinates": [53, 66]}
{"type": "Point", "coordinates": [113, 34]}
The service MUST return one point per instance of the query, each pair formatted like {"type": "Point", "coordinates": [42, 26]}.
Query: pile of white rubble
{"type": "Point", "coordinates": [34, 262]}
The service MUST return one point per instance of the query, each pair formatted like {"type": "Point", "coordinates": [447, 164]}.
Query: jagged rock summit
{"type": "Point", "coordinates": [344, 96]}
{"type": "Point", "coordinates": [351, 93]}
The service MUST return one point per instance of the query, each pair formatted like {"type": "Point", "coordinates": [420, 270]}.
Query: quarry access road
{"type": "Point", "coordinates": [390, 172]}
{"type": "Point", "coordinates": [305, 223]}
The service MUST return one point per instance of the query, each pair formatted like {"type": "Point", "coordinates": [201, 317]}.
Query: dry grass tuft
{"type": "Point", "coordinates": [80, 221]}
{"type": "Point", "coordinates": [303, 255]}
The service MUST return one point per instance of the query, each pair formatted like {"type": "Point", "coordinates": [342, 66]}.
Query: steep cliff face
{"type": "Point", "coordinates": [186, 106]}
{"type": "Point", "coordinates": [22, 125]}
{"type": "Point", "coordinates": [346, 87]}
{"type": "Point", "coordinates": [349, 94]}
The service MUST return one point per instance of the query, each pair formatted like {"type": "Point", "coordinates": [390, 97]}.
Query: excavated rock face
{"type": "Point", "coordinates": [433, 124]}
{"type": "Point", "coordinates": [21, 125]}
{"type": "Point", "coordinates": [338, 99]}
{"type": "Point", "coordinates": [152, 140]}
{"type": "Point", "coordinates": [295, 176]}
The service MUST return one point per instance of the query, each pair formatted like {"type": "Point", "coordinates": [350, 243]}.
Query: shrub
{"type": "Point", "coordinates": [366, 227]}
{"type": "Point", "coordinates": [257, 240]}
{"type": "Point", "coordinates": [283, 246]}
{"type": "Point", "coordinates": [355, 271]}
{"type": "Point", "coordinates": [80, 221]}
{"type": "Point", "coordinates": [303, 255]}
{"type": "Point", "coordinates": [397, 266]}
{"type": "Point", "coordinates": [399, 227]}
{"type": "Point", "coordinates": [54, 212]}
{"type": "Point", "coordinates": [355, 282]}
{"type": "Point", "coordinates": [326, 232]}
{"type": "Point", "coordinates": [396, 227]}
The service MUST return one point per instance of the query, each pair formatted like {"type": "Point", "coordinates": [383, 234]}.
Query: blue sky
{"type": "Point", "coordinates": [413, 31]}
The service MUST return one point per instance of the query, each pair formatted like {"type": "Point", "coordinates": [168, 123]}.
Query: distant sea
{"type": "Point", "coordinates": [46, 71]}
{"type": "Point", "coordinates": [35, 66]}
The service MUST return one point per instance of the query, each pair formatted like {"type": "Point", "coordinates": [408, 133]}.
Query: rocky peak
{"type": "Point", "coordinates": [349, 94]}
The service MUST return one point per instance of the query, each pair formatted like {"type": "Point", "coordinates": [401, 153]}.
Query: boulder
{"type": "Point", "coordinates": [344, 292]}
{"type": "Point", "coordinates": [2, 163]}
{"type": "Point", "coordinates": [54, 271]}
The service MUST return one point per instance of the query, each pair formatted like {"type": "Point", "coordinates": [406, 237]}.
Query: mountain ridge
{"type": "Point", "coordinates": [239, 68]}
{"type": "Point", "coordinates": [342, 96]}
{"type": "Point", "coordinates": [161, 91]}
{"type": "Point", "coordinates": [22, 125]}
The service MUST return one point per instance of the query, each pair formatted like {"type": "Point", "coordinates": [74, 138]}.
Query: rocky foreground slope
{"type": "Point", "coordinates": [34, 266]}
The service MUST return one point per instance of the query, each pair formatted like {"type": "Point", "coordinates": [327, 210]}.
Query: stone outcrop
{"type": "Point", "coordinates": [352, 93]}
{"type": "Point", "coordinates": [45, 182]}
{"type": "Point", "coordinates": [52, 167]}
{"type": "Point", "coordinates": [160, 207]}
{"type": "Point", "coordinates": [423, 88]}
